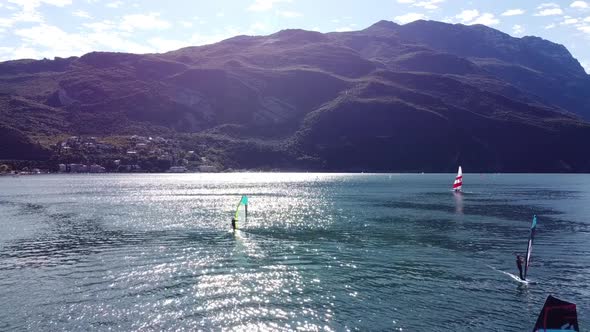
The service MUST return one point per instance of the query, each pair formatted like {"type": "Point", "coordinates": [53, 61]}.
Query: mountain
{"type": "Point", "coordinates": [425, 96]}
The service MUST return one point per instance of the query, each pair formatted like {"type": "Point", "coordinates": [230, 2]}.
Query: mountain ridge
{"type": "Point", "coordinates": [277, 95]}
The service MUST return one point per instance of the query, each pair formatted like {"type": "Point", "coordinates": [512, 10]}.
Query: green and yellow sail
{"type": "Point", "coordinates": [243, 202]}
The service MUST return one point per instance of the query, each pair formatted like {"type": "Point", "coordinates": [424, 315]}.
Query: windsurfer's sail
{"type": "Point", "coordinates": [458, 180]}
{"type": "Point", "coordinates": [243, 202]}
{"type": "Point", "coordinates": [557, 315]}
{"type": "Point", "coordinates": [529, 248]}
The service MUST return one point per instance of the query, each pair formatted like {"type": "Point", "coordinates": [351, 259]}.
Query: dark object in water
{"type": "Point", "coordinates": [557, 315]}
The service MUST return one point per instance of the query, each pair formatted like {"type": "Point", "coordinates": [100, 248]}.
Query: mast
{"type": "Point", "coordinates": [529, 248]}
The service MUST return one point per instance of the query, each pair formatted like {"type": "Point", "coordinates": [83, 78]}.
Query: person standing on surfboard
{"type": "Point", "coordinates": [519, 262]}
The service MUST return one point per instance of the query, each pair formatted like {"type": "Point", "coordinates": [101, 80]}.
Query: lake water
{"type": "Point", "coordinates": [318, 252]}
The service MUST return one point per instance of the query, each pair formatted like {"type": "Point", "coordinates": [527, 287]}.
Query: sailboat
{"type": "Point", "coordinates": [243, 202]}
{"type": "Point", "coordinates": [529, 248]}
{"type": "Point", "coordinates": [557, 315]}
{"type": "Point", "coordinates": [458, 180]}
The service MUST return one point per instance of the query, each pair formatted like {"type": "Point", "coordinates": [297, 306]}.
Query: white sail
{"type": "Point", "coordinates": [458, 180]}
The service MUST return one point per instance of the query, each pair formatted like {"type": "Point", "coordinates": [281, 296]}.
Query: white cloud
{"type": "Point", "coordinates": [186, 24]}
{"type": "Point", "coordinates": [36, 34]}
{"type": "Point", "coordinates": [22, 52]}
{"type": "Point", "coordinates": [114, 4]}
{"type": "Point", "coordinates": [198, 39]}
{"type": "Point", "coordinates": [264, 5]}
{"type": "Point", "coordinates": [405, 1]}
{"type": "Point", "coordinates": [44, 40]}
{"type": "Point", "coordinates": [257, 27]}
{"type": "Point", "coordinates": [343, 29]}
{"type": "Point", "coordinates": [58, 3]}
{"type": "Point", "coordinates": [579, 4]}
{"type": "Point", "coordinates": [486, 19]}
{"type": "Point", "coordinates": [29, 4]}
{"type": "Point", "coordinates": [409, 17]}
{"type": "Point", "coordinates": [82, 14]}
{"type": "Point", "coordinates": [467, 15]}
{"type": "Point", "coordinates": [114, 40]}
{"type": "Point", "coordinates": [151, 21]}
{"type": "Point", "coordinates": [27, 16]}
{"type": "Point", "coordinates": [517, 30]}
{"type": "Point", "coordinates": [29, 11]}
{"type": "Point", "coordinates": [587, 19]}
{"type": "Point", "coordinates": [206, 39]}
{"type": "Point", "coordinates": [569, 20]}
{"type": "Point", "coordinates": [473, 17]}
{"type": "Point", "coordinates": [549, 9]}
{"type": "Point", "coordinates": [584, 28]}
{"type": "Point", "coordinates": [289, 14]}
{"type": "Point", "coordinates": [100, 26]}
{"type": "Point", "coordinates": [5, 22]}
{"type": "Point", "coordinates": [5, 50]}
{"type": "Point", "coordinates": [513, 12]}
{"type": "Point", "coordinates": [449, 19]}
{"type": "Point", "coordinates": [548, 5]}
{"type": "Point", "coordinates": [49, 41]}
{"type": "Point", "coordinates": [430, 4]}
{"type": "Point", "coordinates": [550, 26]}
{"type": "Point", "coordinates": [165, 45]}
{"type": "Point", "coordinates": [550, 12]}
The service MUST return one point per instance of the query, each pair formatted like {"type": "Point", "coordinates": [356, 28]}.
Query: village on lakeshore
{"type": "Point", "coordinates": [123, 154]}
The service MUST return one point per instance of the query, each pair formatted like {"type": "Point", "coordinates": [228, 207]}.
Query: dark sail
{"type": "Point", "coordinates": [557, 315]}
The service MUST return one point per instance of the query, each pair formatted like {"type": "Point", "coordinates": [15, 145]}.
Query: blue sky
{"type": "Point", "coordinates": [49, 28]}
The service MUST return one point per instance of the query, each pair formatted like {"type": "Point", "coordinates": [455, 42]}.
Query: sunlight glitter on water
{"type": "Point", "coordinates": [318, 252]}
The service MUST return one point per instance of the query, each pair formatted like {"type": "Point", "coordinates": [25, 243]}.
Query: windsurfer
{"type": "Point", "coordinates": [519, 262]}
{"type": "Point", "coordinates": [458, 181]}
{"type": "Point", "coordinates": [236, 217]}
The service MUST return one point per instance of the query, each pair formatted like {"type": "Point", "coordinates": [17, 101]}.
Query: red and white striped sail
{"type": "Point", "coordinates": [458, 180]}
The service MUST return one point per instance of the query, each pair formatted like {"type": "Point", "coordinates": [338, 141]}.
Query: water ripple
{"type": "Point", "coordinates": [320, 252]}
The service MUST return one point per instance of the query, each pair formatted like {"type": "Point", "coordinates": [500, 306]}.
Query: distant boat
{"type": "Point", "coordinates": [557, 315]}
{"type": "Point", "coordinates": [458, 180]}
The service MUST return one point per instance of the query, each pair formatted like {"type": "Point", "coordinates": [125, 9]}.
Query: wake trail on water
{"type": "Point", "coordinates": [468, 192]}
{"type": "Point", "coordinates": [513, 276]}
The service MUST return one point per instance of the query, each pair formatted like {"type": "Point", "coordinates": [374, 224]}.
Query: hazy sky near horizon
{"type": "Point", "coordinates": [49, 28]}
